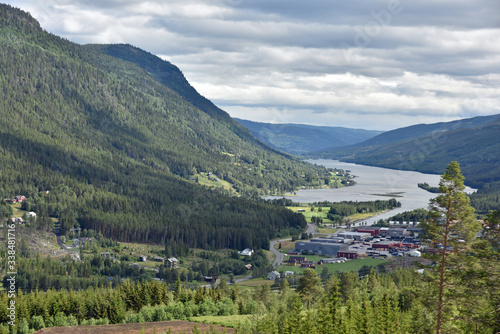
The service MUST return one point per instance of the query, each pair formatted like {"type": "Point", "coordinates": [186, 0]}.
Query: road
{"type": "Point", "coordinates": [279, 256]}
{"type": "Point", "coordinates": [311, 229]}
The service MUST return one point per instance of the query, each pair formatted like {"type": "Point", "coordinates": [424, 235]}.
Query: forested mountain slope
{"type": "Point", "coordinates": [102, 142]}
{"type": "Point", "coordinates": [302, 139]}
{"type": "Point", "coordinates": [474, 143]}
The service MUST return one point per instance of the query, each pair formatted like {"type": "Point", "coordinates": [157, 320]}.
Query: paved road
{"type": "Point", "coordinates": [311, 229]}
{"type": "Point", "coordinates": [279, 256]}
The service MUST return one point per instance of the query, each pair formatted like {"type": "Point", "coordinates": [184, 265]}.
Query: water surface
{"type": "Point", "coordinates": [375, 183]}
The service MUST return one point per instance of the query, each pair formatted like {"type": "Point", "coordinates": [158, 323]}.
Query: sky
{"type": "Point", "coordinates": [378, 64]}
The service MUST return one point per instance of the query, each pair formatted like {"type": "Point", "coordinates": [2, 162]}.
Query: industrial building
{"type": "Point", "coordinates": [320, 248]}
{"type": "Point", "coordinates": [354, 235]}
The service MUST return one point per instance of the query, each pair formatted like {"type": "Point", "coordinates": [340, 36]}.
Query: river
{"type": "Point", "coordinates": [375, 183]}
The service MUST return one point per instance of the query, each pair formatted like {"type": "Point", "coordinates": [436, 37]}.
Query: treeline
{"type": "Point", "coordinates": [395, 302]}
{"type": "Point", "coordinates": [338, 211]}
{"type": "Point", "coordinates": [427, 187]}
{"type": "Point", "coordinates": [96, 142]}
{"type": "Point", "coordinates": [417, 215]}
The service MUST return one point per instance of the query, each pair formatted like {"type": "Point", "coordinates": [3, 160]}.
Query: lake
{"type": "Point", "coordinates": [375, 183]}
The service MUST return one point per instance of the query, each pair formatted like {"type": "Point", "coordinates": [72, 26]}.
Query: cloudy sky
{"type": "Point", "coordinates": [361, 64]}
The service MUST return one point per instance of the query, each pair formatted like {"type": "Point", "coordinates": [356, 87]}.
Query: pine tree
{"type": "Point", "coordinates": [453, 228]}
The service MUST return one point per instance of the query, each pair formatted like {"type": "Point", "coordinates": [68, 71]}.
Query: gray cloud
{"type": "Point", "coordinates": [380, 64]}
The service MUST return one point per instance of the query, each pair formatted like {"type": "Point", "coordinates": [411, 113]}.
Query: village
{"type": "Point", "coordinates": [367, 242]}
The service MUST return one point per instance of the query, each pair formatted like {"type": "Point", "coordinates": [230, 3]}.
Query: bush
{"type": "Point", "coordinates": [37, 322]}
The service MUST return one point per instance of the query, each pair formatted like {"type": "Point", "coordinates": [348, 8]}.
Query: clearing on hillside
{"type": "Point", "coordinates": [177, 327]}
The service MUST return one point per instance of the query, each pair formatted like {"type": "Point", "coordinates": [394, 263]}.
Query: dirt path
{"type": "Point", "coordinates": [177, 327]}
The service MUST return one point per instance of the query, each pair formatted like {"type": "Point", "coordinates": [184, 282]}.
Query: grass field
{"type": "Point", "coordinates": [336, 267]}
{"type": "Point", "coordinates": [308, 214]}
{"type": "Point", "coordinates": [210, 181]}
{"type": "Point", "coordinates": [270, 256]}
{"type": "Point", "coordinates": [286, 245]}
{"type": "Point", "coordinates": [326, 230]}
{"type": "Point", "coordinates": [255, 282]}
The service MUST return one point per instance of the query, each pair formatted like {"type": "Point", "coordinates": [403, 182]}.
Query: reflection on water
{"type": "Point", "coordinates": [375, 183]}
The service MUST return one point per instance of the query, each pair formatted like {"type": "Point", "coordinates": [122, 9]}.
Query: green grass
{"type": "Point", "coordinates": [337, 267]}
{"type": "Point", "coordinates": [255, 282]}
{"type": "Point", "coordinates": [226, 321]}
{"type": "Point", "coordinates": [326, 230]}
{"type": "Point", "coordinates": [308, 214]}
{"type": "Point", "coordinates": [205, 180]}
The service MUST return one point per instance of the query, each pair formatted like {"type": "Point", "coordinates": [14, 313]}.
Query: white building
{"type": "Point", "coordinates": [246, 252]}
{"type": "Point", "coordinates": [274, 275]}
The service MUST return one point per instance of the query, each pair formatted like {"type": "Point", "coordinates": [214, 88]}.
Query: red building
{"type": "Point", "coordinates": [372, 231]}
{"type": "Point", "coordinates": [348, 255]}
{"type": "Point", "coordinates": [19, 199]}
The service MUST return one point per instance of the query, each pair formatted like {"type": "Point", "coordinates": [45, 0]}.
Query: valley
{"type": "Point", "coordinates": [128, 200]}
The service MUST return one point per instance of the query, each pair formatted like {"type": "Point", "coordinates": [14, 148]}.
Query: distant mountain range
{"type": "Point", "coordinates": [121, 140]}
{"type": "Point", "coordinates": [302, 139]}
{"type": "Point", "coordinates": [429, 148]}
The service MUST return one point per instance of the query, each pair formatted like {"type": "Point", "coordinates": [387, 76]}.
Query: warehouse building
{"type": "Point", "coordinates": [320, 248]}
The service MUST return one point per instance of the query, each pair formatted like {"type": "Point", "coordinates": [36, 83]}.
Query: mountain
{"type": "Point", "coordinates": [302, 139]}
{"type": "Point", "coordinates": [429, 148]}
{"type": "Point", "coordinates": [114, 139]}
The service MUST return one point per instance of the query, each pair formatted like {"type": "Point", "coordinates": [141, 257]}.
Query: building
{"type": "Point", "coordinates": [333, 260]}
{"type": "Point", "coordinates": [172, 263]}
{"type": "Point", "coordinates": [373, 230]}
{"type": "Point", "coordinates": [320, 248]}
{"type": "Point", "coordinates": [143, 258]}
{"type": "Point", "coordinates": [415, 253]}
{"type": "Point", "coordinates": [386, 245]}
{"type": "Point", "coordinates": [348, 254]}
{"type": "Point", "coordinates": [246, 252]}
{"type": "Point", "coordinates": [19, 198]}
{"type": "Point", "coordinates": [354, 235]}
{"type": "Point", "coordinates": [274, 275]}
{"type": "Point", "coordinates": [289, 273]}
{"type": "Point", "coordinates": [158, 259]}
{"type": "Point", "coordinates": [308, 264]}
{"type": "Point", "coordinates": [293, 260]}
{"type": "Point", "coordinates": [17, 220]}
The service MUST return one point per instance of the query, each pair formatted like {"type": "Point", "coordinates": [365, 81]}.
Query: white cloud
{"type": "Point", "coordinates": [354, 63]}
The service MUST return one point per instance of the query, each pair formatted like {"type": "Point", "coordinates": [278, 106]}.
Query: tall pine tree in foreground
{"type": "Point", "coordinates": [452, 230]}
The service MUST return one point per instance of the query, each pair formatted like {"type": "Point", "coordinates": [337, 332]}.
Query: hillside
{"type": "Point", "coordinates": [428, 148]}
{"type": "Point", "coordinates": [112, 138]}
{"type": "Point", "coordinates": [302, 139]}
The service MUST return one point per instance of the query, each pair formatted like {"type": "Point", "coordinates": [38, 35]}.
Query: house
{"type": "Point", "coordinates": [17, 220]}
{"type": "Point", "coordinates": [215, 280]}
{"type": "Point", "coordinates": [248, 266]}
{"type": "Point", "coordinates": [81, 242]}
{"type": "Point", "coordinates": [348, 255]}
{"type": "Point", "coordinates": [143, 258]}
{"type": "Point", "coordinates": [158, 259]}
{"type": "Point", "coordinates": [172, 263]}
{"type": "Point", "coordinates": [274, 275]}
{"type": "Point", "coordinates": [307, 264]}
{"type": "Point", "coordinates": [246, 252]}
{"type": "Point", "coordinates": [32, 214]}
{"type": "Point", "coordinates": [289, 273]}
{"type": "Point", "coordinates": [19, 198]}
{"type": "Point", "coordinates": [297, 259]}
